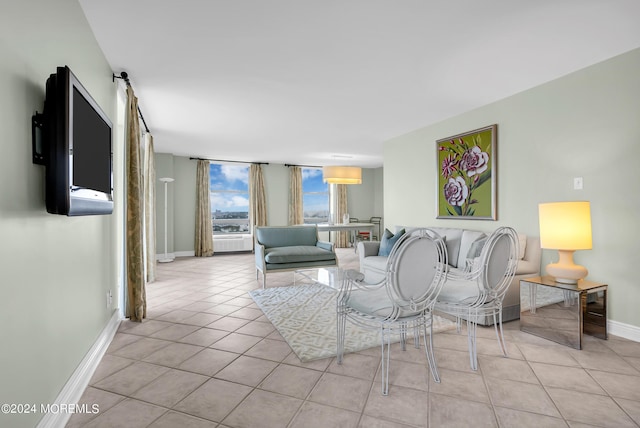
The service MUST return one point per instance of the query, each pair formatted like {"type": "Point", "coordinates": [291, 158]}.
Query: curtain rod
{"type": "Point", "coordinates": [232, 161]}
{"type": "Point", "coordinates": [302, 166]}
{"type": "Point", "coordinates": [125, 76]}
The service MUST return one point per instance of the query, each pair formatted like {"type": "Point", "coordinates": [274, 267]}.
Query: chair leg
{"type": "Point", "coordinates": [403, 336]}
{"type": "Point", "coordinates": [416, 335]}
{"type": "Point", "coordinates": [500, 334]}
{"type": "Point", "coordinates": [386, 343]}
{"type": "Point", "coordinates": [341, 327]}
{"type": "Point", "coordinates": [428, 348]}
{"type": "Point", "coordinates": [471, 338]}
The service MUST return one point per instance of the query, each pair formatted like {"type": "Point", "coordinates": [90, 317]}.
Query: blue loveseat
{"type": "Point", "coordinates": [282, 248]}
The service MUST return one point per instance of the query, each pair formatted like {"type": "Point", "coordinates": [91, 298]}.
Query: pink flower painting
{"type": "Point", "coordinates": [465, 164]}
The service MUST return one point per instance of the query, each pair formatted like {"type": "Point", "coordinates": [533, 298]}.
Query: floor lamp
{"type": "Point", "coordinates": [166, 258]}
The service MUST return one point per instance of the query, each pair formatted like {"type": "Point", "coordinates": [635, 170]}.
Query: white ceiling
{"type": "Point", "coordinates": [328, 81]}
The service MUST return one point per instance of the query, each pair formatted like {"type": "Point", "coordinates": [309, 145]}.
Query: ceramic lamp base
{"type": "Point", "coordinates": [566, 271]}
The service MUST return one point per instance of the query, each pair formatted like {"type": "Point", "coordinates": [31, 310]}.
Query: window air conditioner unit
{"type": "Point", "coordinates": [230, 243]}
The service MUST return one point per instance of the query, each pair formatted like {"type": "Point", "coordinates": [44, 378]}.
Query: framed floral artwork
{"type": "Point", "coordinates": [467, 175]}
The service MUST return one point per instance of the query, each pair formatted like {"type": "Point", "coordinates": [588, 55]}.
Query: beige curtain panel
{"type": "Point", "coordinates": [257, 198]}
{"type": "Point", "coordinates": [136, 294]}
{"type": "Point", "coordinates": [204, 227]}
{"type": "Point", "coordinates": [296, 215]}
{"type": "Point", "coordinates": [342, 238]}
{"type": "Point", "coordinates": [150, 207]}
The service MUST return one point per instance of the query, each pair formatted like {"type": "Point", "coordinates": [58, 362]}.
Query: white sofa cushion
{"type": "Point", "coordinates": [522, 243]}
{"type": "Point", "coordinates": [466, 242]}
{"type": "Point", "coordinates": [453, 240]}
{"type": "Point", "coordinates": [526, 267]}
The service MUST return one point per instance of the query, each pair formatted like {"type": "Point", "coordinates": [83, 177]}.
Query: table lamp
{"type": "Point", "coordinates": [342, 174]}
{"type": "Point", "coordinates": [566, 227]}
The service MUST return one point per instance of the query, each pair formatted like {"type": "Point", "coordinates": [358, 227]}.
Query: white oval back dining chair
{"type": "Point", "coordinates": [404, 300]}
{"type": "Point", "coordinates": [479, 291]}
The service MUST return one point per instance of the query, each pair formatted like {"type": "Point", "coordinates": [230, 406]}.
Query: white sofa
{"type": "Point", "coordinates": [458, 242]}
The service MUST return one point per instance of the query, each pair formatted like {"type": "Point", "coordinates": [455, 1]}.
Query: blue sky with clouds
{"type": "Point", "coordinates": [233, 180]}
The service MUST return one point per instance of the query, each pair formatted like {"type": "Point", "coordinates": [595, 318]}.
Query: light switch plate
{"type": "Point", "coordinates": [577, 183]}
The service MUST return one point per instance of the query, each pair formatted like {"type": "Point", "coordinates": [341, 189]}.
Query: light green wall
{"type": "Point", "coordinates": [165, 168]}
{"type": "Point", "coordinates": [585, 125]}
{"type": "Point", "coordinates": [185, 203]}
{"type": "Point", "coordinates": [378, 196]}
{"type": "Point", "coordinates": [362, 197]}
{"type": "Point", "coordinates": [55, 270]}
{"type": "Point", "coordinates": [276, 183]}
{"type": "Point", "coordinates": [181, 203]}
{"type": "Point", "coordinates": [364, 200]}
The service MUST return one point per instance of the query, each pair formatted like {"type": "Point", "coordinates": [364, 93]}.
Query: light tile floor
{"type": "Point", "coordinates": [207, 357]}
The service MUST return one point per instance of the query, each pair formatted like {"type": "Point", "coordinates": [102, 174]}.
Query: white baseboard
{"type": "Point", "coordinates": [185, 253]}
{"type": "Point", "coordinates": [627, 331]}
{"type": "Point", "coordinates": [77, 383]}
{"type": "Point", "coordinates": [169, 256]}
{"type": "Point", "coordinates": [191, 253]}
{"type": "Point", "coordinates": [172, 256]}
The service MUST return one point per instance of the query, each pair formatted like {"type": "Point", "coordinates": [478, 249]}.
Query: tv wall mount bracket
{"type": "Point", "coordinates": [38, 149]}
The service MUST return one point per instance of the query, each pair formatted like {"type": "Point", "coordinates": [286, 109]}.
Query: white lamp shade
{"type": "Point", "coordinates": [565, 225]}
{"type": "Point", "coordinates": [342, 174]}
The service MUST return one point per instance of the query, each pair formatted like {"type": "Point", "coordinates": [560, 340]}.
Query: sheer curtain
{"type": "Point", "coordinates": [149, 168]}
{"type": "Point", "coordinates": [136, 293]}
{"type": "Point", "coordinates": [257, 199]}
{"type": "Point", "coordinates": [204, 227]}
{"type": "Point", "coordinates": [296, 215]}
{"type": "Point", "coordinates": [342, 239]}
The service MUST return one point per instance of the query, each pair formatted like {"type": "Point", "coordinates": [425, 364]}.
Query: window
{"type": "Point", "coordinates": [229, 186]}
{"type": "Point", "coordinates": [315, 196]}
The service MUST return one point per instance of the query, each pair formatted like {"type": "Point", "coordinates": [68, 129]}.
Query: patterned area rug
{"type": "Point", "coordinates": [305, 315]}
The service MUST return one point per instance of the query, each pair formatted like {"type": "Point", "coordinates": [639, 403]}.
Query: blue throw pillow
{"type": "Point", "coordinates": [388, 241]}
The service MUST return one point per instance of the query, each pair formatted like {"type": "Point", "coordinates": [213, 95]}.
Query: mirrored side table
{"type": "Point", "coordinates": [563, 312]}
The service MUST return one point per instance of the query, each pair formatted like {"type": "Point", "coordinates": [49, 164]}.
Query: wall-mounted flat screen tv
{"type": "Point", "coordinates": [76, 148]}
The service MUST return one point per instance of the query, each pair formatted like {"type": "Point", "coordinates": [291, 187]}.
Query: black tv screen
{"type": "Point", "coordinates": [91, 153]}
{"type": "Point", "coordinates": [77, 140]}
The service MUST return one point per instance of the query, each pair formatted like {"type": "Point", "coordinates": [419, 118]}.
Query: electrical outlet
{"type": "Point", "coordinates": [577, 183]}
{"type": "Point", "coordinates": [109, 299]}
